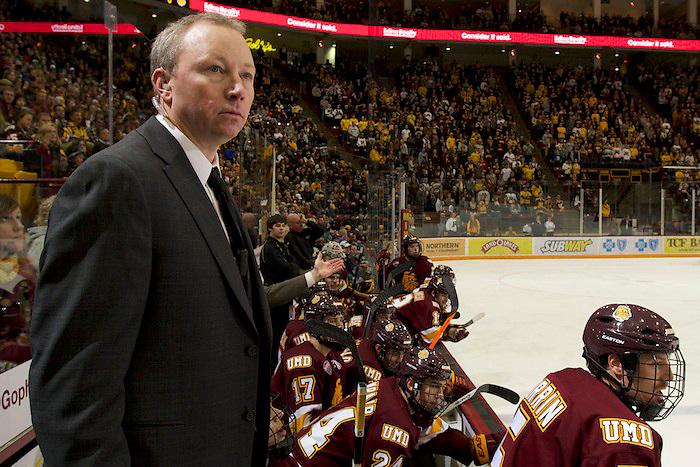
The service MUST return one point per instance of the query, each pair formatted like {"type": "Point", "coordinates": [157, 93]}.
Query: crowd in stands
{"type": "Point", "coordinates": [490, 16]}
{"type": "Point", "coordinates": [590, 118]}
{"type": "Point", "coordinates": [51, 92]}
{"type": "Point", "coordinates": [447, 129]}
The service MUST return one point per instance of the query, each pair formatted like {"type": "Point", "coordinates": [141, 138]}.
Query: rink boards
{"type": "Point", "coordinates": [449, 248]}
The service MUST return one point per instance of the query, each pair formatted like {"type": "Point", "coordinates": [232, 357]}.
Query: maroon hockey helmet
{"type": "Point", "coordinates": [437, 281]}
{"type": "Point", "coordinates": [628, 331]}
{"type": "Point", "coordinates": [318, 289]}
{"type": "Point", "coordinates": [422, 364]}
{"type": "Point", "coordinates": [393, 339]}
{"type": "Point", "coordinates": [392, 334]}
{"type": "Point", "coordinates": [322, 306]}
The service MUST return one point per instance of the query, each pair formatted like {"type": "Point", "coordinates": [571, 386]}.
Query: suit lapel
{"type": "Point", "coordinates": [181, 174]}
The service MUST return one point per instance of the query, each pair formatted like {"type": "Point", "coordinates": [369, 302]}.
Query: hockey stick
{"type": "Point", "coordinates": [451, 293]}
{"type": "Point", "coordinates": [360, 423]}
{"type": "Point", "coordinates": [443, 328]}
{"type": "Point", "coordinates": [504, 393]}
{"type": "Point", "coordinates": [400, 269]}
{"type": "Point", "coordinates": [316, 326]}
{"type": "Point", "coordinates": [379, 301]}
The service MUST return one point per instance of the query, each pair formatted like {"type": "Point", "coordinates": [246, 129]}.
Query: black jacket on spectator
{"type": "Point", "coordinates": [301, 245]}
{"type": "Point", "coordinates": [276, 262]}
{"type": "Point", "coordinates": [277, 265]}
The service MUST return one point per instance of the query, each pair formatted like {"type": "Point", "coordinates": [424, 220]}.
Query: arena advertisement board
{"type": "Point", "coordinates": [14, 403]}
{"type": "Point", "coordinates": [631, 246]}
{"type": "Point", "coordinates": [682, 245]}
{"type": "Point", "coordinates": [561, 246]}
{"type": "Point", "coordinates": [500, 246]}
{"type": "Point", "coordinates": [65, 28]}
{"type": "Point", "coordinates": [464, 36]}
{"type": "Point", "coordinates": [444, 247]}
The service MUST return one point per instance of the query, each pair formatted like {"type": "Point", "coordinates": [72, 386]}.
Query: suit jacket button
{"type": "Point", "coordinates": [250, 415]}
{"type": "Point", "coordinates": [252, 351]}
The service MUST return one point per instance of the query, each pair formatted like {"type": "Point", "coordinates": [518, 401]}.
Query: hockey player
{"type": "Point", "coordinates": [295, 332]}
{"type": "Point", "coordinates": [589, 419]}
{"type": "Point", "coordinates": [400, 417]}
{"type": "Point", "coordinates": [424, 310]}
{"type": "Point", "coordinates": [383, 352]}
{"type": "Point", "coordinates": [411, 250]}
{"type": "Point", "coordinates": [308, 377]}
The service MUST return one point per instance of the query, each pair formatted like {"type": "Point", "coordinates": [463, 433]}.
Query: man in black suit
{"type": "Point", "coordinates": [151, 333]}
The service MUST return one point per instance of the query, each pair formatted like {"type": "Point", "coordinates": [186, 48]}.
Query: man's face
{"type": "Point", "coordinates": [392, 360]}
{"type": "Point", "coordinates": [209, 93]}
{"type": "Point", "coordinates": [432, 393]}
{"type": "Point", "coordinates": [26, 121]}
{"type": "Point", "coordinates": [333, 282]}
{"type": "Point", "coordinates": [59, 112]}
{"type": "Point", "coordinates": [279, 230]}
{"type": "Point", "coordinates": [441, 299]}
{"type": "Point", "coordinates": [11, 233]}
{"type": "Point", "coordinates": [8, 95]}
{"type": "Point", "coordinates": [43, 120]}
{"type": "Point", "coordinates": [650, 379]}
{"type": "Point", "coordinates": [76, 117]}
{"type": "Point", "coordinates": [413, 250]}
{"type": "Point", "coordinates": [277, 433]}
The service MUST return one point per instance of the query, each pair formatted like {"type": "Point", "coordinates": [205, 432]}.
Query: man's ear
{"type": "Point", "coordinates": [615, 367]}
{"type": "Point", "coordinates": [160, 79]}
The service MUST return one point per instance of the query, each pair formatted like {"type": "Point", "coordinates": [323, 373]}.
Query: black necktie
{"type": "Point", "coordinates": [228, 214]}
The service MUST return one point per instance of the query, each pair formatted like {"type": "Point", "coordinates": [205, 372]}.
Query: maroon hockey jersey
{"type": "Point", "coordinates": [391, 435]}
{"type": "Point", "coordinates": [414, 277]}
{"type": "Point", "coordinates": [420, 313]}
{"type": "Point", "coordinates": [307, 381]}
{"type": "Point", "coordinates": [373, 368]}
{"type": "Point", "coordinates": [572, 418]}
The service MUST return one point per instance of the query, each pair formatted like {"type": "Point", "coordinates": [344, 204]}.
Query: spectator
{"type": "Point", "coordinates": [549, 227]}
{"type": "Point", "coordinates": [16, 287]}
{"type": "Point", "coordinates": [300, 240]}
{"type": "Point", "coordinates": [473, 226]}
{"type": "Point", "coordinates": [452, 224]}
{"type": "Point", "coordinates": [277, 265]}
{"type": "Point", "coordinates": [37, 233]}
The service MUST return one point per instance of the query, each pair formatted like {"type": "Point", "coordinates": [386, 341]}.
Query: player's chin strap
{"type": "Point", "coordinates": [616, 386]}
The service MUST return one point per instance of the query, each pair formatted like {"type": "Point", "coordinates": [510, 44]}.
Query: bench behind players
{"type": "Point", "coordinates": [400, 417]}
{"type": "Point", "coordinates": [573, 417]}
{"type": "Point", "coordinates": [411, 249]}
{"type": "Point", "coordinates": [424, 310]}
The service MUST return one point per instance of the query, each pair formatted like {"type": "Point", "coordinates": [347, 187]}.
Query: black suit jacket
{"type": "Point", "coordinates": [148, 350]}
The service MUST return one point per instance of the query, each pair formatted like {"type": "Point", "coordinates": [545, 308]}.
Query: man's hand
{"type": "Point", "coordinates": [455, 333]}
{"type": "Point", "coordinates": [323, 269]}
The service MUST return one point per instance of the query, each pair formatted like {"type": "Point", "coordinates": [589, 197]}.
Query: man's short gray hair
{"type": "Point", "coordinates": [167, 46]}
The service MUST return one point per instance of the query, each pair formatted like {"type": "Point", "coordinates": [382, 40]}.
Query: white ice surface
{"type": "Point", "coordinates": [535, 313]}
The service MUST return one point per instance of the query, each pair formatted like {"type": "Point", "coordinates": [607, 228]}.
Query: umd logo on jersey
{"type": "Point", "coordinates": [622, 313]}
{"type": "Point", "coordinates": [618, 430]}
{"type": "Point", "coordinates": [423, 353]}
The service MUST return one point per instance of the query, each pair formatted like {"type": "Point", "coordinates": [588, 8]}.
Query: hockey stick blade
{"type": "Point", "coordinates": [451, 293]}
{"type": "Point", "coordinates": [473, 320]}
{"type": "Point", "coordinates": [316, 326]}
{"type": "Point", "coordinates": [504, 393]}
